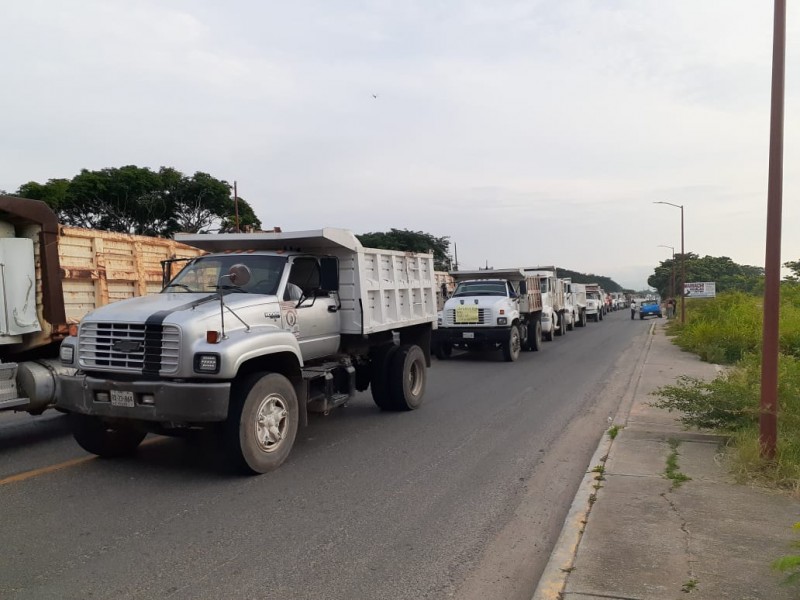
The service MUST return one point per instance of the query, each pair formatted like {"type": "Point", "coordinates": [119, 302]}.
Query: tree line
{"type": "Point", "coordinates": [138, 200]}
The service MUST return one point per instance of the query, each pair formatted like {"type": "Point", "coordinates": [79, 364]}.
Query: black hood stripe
{"type": "Point", "coordinates": [153, 330]}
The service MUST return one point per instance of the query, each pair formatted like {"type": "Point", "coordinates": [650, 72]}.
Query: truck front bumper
{"type": "Point", "coordinates": [161, 401]}
{"type": "Point", "coordinates": [475, 335]}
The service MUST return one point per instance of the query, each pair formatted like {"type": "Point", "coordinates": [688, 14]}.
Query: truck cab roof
{"type": "Point", "coordinates": [311, 241]}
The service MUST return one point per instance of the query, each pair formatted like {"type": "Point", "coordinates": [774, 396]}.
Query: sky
{"type": "Point", "coordinates": [528, 132]}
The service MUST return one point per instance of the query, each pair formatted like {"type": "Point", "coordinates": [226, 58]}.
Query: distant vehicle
{"type": "Point", "coordinates": [650, 308]}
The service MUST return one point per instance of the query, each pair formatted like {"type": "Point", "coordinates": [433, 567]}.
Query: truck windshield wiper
{"type": "Point", "coordinates": [234, 288]}
{"type": "Point", "coordinates": [180, 285]}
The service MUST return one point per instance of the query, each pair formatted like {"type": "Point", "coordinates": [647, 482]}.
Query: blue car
{"type": "Point", "coordinates": [650, 308]}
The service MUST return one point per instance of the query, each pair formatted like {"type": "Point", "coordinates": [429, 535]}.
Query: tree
{"type": "Point", "coordinates": [728, 275]}
{"type": "Point", "coordinates": [53, 192]}
{"type": "Point", "coordinates": [410, 241]}
{"type": "Point", "coordinates": [133, 199]}
{"type": "Point", "coordinates": [794, 267]}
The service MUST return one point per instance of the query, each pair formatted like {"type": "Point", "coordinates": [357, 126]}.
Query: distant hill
{"type": "Point", "coordinates": [606, 283]}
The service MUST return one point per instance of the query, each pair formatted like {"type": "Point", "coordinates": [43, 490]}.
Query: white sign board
{"type": "Point", "coordinates": [700, 289]}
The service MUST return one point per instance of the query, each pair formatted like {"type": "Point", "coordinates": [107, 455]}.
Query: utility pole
{"type": "Point", "coordinates": [236, 207]}
{"type": "Point", "coordinates": [768, 419]}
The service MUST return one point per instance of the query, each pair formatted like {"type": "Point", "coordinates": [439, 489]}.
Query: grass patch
{"type": "Point", "coordinates": [689, 586]}
{"type": "Point", "coordinates": [673, 472]}
{"type": "Point", "coordinates": [790, 564]}
{"type": "Point", "coordinates": [613, 431]}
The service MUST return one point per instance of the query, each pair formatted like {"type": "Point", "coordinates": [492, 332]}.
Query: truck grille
{"type": "Point", "coordinates": [484, 317]}
{"type": "Point", "coordinates": [129, 347]}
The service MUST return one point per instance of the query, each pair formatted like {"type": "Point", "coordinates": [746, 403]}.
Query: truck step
{"type": "Point", "coordinates": [13, 402]}
{"type": "Point", "coordinates": [326, 405]}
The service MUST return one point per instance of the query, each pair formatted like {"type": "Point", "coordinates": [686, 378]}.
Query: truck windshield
{"type": "Point", "coordinates": [481, 288]}
{"type": "Point", "coordinates": [207, 273]}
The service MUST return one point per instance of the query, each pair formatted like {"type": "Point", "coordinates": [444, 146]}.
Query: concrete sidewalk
{"type": "Point", "coordinates": [638, 537]}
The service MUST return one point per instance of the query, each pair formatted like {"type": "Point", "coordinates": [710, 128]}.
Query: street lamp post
{"type": "Point", "coordinates": [672, 281]}
{"type": "Point", "coordinates": [683, 263]}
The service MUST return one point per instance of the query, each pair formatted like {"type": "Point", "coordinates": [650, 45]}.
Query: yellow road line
{"type": "Point", "coordinates": [44, 470]}
{"type": "Point", "coordinates": [25, 475]}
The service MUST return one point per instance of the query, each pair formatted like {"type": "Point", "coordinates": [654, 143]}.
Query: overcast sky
{"type": "Point", "coordinates": [531, 132]}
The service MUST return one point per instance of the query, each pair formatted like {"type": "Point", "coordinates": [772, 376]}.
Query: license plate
{"type": "Point", "coordinates": [467, 314]}
{"type": "Point", "coordinates": [120, 398]}
{"type": "Point", "coordinates": [468, 335]}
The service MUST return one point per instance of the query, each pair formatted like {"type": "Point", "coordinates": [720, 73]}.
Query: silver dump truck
{"type": "Point", "coordinates": [250, 338]}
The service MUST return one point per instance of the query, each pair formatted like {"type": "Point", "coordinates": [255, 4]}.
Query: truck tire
{"type": "Point", "coordinates": [407, 378]}
{"type": "Point", "coordinates": [380, 361]}
{"type": "Point", "coordinates": [562, 327]}
{"type": "Point", "coordinates": [511, 346]}
{"type": "Point", "coordinates": [534, 336]}
{"type": "Point", "coordinates": [262, 423]}
{"type": "Point", "coordinates": [443, 350]}
{"type": "Point", "coordinates": [102, 439]}
{"type": "Point", "coordinates": [571, 324]}
{"type": "Point", "coordinates": [641, 317]}
{"type": "Point", "coordinates": [582, 321]}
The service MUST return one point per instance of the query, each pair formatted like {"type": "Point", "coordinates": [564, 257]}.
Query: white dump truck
{"type": "Point", "coordinates": [595, 302]}
{"type": "Point", "coordinates": [555, 317]}
{"type": "Point", "coordinates": [250, 338]}
{"type": "Point", "coordinates": [50, 277]}
{"type": "Point", "coordinates": [495, 308]}
{"type": "Point", "coordinates": [575, 298]}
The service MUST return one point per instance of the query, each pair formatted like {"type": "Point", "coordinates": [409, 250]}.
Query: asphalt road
{"type": "Point", "coordinates": [463, 498]}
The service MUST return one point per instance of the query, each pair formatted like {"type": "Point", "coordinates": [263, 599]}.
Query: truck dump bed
{"type": "Point", "coordinates": [77, 270]}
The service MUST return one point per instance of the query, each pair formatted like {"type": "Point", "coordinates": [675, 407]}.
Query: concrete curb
{"type": "Point", "coordinates": [562, 558]}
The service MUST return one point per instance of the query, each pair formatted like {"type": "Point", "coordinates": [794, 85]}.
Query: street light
{"type": "Point", "coordinates": [672, 282]}
{"type": "Point", "coordinates": [683, 264]}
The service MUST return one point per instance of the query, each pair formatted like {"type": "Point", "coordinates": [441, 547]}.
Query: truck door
{"type": "Point", "coordinates": [316, 319]}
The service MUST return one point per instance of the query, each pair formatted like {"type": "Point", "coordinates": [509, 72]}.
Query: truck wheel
{"type": "Point", "coordinates": [381, 360]}
{"type": "Point", "coordinates": [571, 324]}
{"type": "Point", "coordinates": [641, 317]}
{"type": "Point", "coordinates": [548, 335]}
{"type": "Point", "coordinates": [511, 347]}
{"type": "Point", "coordinates": [583, 318]}
{"type": "Point", "coordinates": [103, 439]}
{"type": "Point", "coordinates": [600, 313]}
{"type": "Point", "coordinates": [534, 336]}
{"type": "Point", "coordinates": [262, 423]}
{"type": "Point", "coordinates": [407, 378]}
{"type": "Point", "coordinates": [443, 350]}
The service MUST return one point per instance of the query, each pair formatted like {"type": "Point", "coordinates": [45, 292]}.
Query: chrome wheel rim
{"type": "Point", "coordinates": [272, 422]}
{"type": "Point", "coordinates": [415, 378]}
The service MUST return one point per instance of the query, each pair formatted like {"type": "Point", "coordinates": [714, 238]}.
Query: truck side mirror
{"type": "Point", "coordinates": [523, 288]}
{"type": "Point", "coordinates": [329, 274]}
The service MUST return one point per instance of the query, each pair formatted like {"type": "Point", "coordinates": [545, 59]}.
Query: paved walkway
{"type": "Point", "coordinates": [642, 539]}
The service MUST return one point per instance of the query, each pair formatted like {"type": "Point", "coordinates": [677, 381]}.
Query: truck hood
{"type": "Point", "coordinates": [493, 302]}
{"type": "Point", "coordinates": [174, 307]}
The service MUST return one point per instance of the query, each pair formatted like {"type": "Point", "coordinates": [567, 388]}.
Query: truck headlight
{"type": "Point", "coordinates": [502, 320]}
{"type": "Point", "coordinates": [67, 353]}
{"type": "Point", "coordinates": [206, 363]}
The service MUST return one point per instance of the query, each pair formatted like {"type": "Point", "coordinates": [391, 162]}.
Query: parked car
{"type": "Point", "coordinates": [650, 308]}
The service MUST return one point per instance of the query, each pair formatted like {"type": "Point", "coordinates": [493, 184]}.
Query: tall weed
{"type": "Point", "coordinates": [727, 328]}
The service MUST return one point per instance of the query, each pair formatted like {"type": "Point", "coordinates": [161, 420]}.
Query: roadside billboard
{"type": "Point", "coordinates": [700, 289]}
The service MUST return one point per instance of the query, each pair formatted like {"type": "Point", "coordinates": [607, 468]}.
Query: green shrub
{"type": "Point", "coordinates": [730, 403]}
